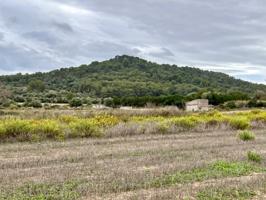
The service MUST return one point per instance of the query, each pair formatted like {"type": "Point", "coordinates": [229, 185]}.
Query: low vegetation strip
{"type": "Point", "coordinates": [66, 126]}
{"type": "Point", "coordinates": [60, 191]}
{"type": "Point", "coordinates": [252, 190]}
{"type": "Point", "coordinates": [75, 189]}
{"type": "Point", "coordinates": [226, 194]}
{"type": "Point", "coordinates": [219, 169]}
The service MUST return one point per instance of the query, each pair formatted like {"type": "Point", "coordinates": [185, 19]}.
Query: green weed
{"type": "Point", "coordinates": [62, 191]}
{"type": "Point", "coordinates": [253, 156]}
{"type": "Point", "coordinates": [225, 194]}
{"type": "Point", "coordinates": [246, 135]}
{"type": "Point", "coordinates": [218, 169]}
{"type": "Point", "coordinates": [239, 123]}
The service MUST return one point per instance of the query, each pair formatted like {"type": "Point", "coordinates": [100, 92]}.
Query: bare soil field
{"type": "Point", "coordinates": [189, 165]}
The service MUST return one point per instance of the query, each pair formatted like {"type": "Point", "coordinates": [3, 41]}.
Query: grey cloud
{"type": "Point", "coordinates": [164, 52]}
{"type": "Point", "coordinates": [109, 48]}
{"type": "Point", "coordinates": [218, 33]}
{"type": "Point", "coordinates": [65, 27]}
{"type": "Point", "coordinates": [97, 50]}
{"type": "Point", "coordinates": [41, 36]}
{"type": "Point", "coordinates": [1, 36]}
{"type": "Point", "coordinates": [26, 59]}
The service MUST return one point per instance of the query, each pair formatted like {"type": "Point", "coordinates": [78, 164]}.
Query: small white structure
{"type": "Point", "coordinates": [198, 105]}
{"type": "Point", "coordinates": [99, 106]}
{"type": "Point", "coordinates": [126, 108]}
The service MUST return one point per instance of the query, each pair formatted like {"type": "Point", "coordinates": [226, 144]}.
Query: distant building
{"type": "Point", "coordinates": [198, 105]}
{"type": "Point", "coordinates": [99, 106]}
{"type": "Point", "coordinates": [126, 108]}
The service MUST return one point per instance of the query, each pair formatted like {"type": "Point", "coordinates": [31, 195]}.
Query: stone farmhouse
{"type": "Point", "coordinates": [198, 105]}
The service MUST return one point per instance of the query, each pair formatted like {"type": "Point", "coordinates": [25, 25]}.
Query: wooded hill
{"type": "Point", "coordinates": [125, 76]}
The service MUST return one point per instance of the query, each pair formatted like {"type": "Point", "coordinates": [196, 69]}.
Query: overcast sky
{"type": "Point", "coordinates": [224, 35]}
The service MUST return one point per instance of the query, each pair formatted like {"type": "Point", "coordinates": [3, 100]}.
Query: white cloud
{"type": "Point", "coordinates": [68, 9]}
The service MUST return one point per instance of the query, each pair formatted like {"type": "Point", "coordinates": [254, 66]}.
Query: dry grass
{"type": "Point", "coordinates": [37, 125]}
{"type": "Point", "coordinates": [122, 167]}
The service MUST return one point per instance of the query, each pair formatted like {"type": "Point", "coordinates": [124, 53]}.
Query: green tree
{"type": "Point", "coordinates": [75, 102]}
{"type": "Point", "coordinates": [36, 86]}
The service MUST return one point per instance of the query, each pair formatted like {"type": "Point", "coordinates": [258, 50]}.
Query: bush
{"type": "Point", "coordinates": [19, 99]}
{"type": "Point", "coordinates": [6, 103]}
{"type": "Point", "coordinates": [185, 122]}
{"type": "Point", "coordinates": [26, 130]}
{"type": "Point", "coordinates": [253, 156]}
{"type": "Point", "coordinates": [75, 102]}
{"type": "Point", "coordinates": [67, 119]}
{"type": "Point", "coordinates": [84, 128]}
{"type": "Point", "coordinates": [230, 105]}
{"type": "Point", "coordinates": [2, 131]}
{"type": "Point", "coordinates": [36, 104]}
{"type": "Point", "coordinates": [46, 129]}
{"type": "Point", "coordinates": [33, 103]}
{"type": "Point", "coordinates": [246, 135]}
{"type": "Point", "coordinates": [108, 102]}
{"type": "Point", "coordinates": [14, 128]}
{"type": "Point", "coordinates": [239, 123]}
{"type": "Point", "coordinates": [106, 120]}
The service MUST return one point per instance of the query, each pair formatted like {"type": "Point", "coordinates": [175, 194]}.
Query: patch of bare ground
{"type": "Point", "coordinates": [117, 168]}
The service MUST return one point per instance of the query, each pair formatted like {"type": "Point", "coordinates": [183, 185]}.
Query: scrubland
{"type": "Point", "coordinates": [132, 155]}
{"type": "Point", "coordinates": [60, 126]}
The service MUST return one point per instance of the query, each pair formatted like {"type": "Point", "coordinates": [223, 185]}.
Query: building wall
{"type": "Point", "coordinates": [198, 105]}
{"type": "Point", "coordinates": [204, 108]}
{"type": "Point", "coordinates": [192, 108]}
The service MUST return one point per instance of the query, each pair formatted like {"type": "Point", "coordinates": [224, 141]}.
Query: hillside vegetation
{"type": "Point", "coordinates": [129, 76]}
{"type": "Point", "coordinates": [127, 81]}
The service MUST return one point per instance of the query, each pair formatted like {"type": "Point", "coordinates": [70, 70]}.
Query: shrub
{"type": "Point", "coordinates": [2, 131]}
{"type": "Point", "coordinates": [15, 129]}
{"type": "Point", "coordinates": [19, 99]}
{"type": "Point", "coordinates": [260, 116]}
{"type": "Point", "coordinates": [185, 122]}
{"type": "Point", "coordinates": [239, 123]}
{"type": "Point", "coordinates": [230, 105]}
{"type": "Point", "coordinates": [75, 102]}
{"type": "Point", "coordinates": [47, 129]}
{"type": "Point", "coordinates": [36, 104]}
{"type": "Point", "coordinates": [13, 106]}
{"type": "Point", "coordinates": [85, 128]}
{"type": "Point", "coordinates": [106, 120]}
{"type": "Point", "coordinates": [6, 103]}
{"type": "Point", "coordinates": [246, 135]}
{"type": "Point", "coordinates": [108, 102]}
{"type": "Point", "coordinates": [33, 103]}
{"type": "Point", "coordinates": [29, 130]}
{"type": "Point", "coordinates": [67, 119]}
{"type": "Point", "coordinates": [253, 156]}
